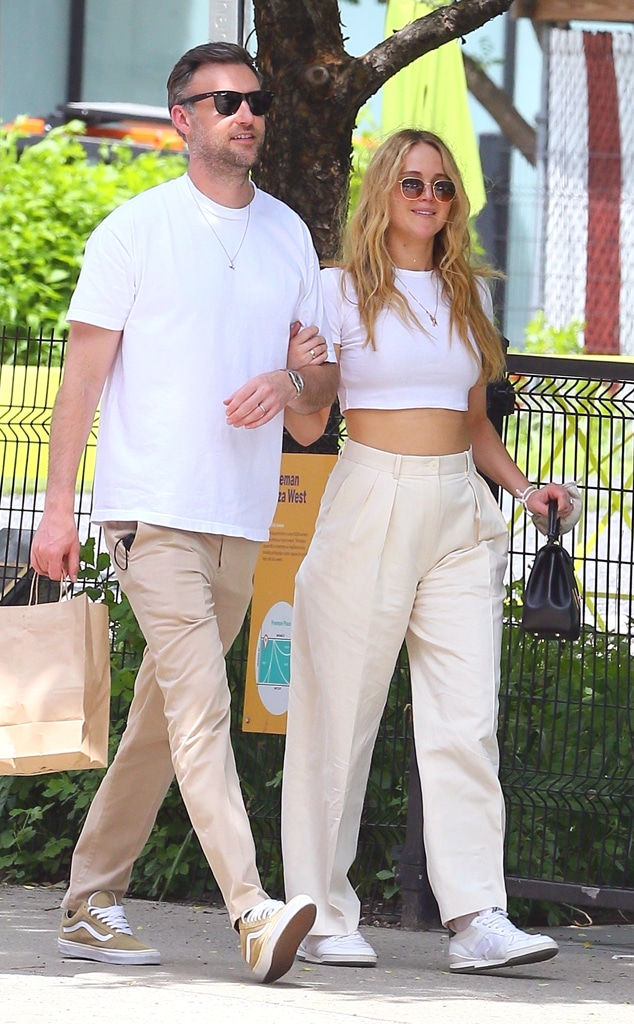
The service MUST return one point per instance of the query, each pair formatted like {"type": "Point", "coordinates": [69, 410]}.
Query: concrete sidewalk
{"type": "Point", "coordinates": [203, 978]}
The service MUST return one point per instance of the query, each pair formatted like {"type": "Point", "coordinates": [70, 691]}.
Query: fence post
{"type": "Point", "coordinates": [419, 910]}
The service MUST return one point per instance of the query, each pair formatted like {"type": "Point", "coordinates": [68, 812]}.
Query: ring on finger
{"type": "Point", "coordinates": [312, 353]}
{"type": "Point", "coordinates": [260, 406]}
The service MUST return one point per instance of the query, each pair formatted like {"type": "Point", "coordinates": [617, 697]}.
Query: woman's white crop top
{"type": "Point", "coordinates": [409, 368]}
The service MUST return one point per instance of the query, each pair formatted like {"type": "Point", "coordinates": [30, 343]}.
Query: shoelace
{"type": "Point", "coordinates": [262, 910]}
{"type": "Point", "coordinates": [497, 920]}
{"type": "Point", "coordinates": [113, 917]}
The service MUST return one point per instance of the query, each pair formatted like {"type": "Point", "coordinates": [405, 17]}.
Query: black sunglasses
{"type": "Point", "coordinates": [228, 102]}
{"type": "Point", "coordinates": [443, 189]}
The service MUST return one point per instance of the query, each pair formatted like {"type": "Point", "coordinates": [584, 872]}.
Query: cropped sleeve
{"type": "Point", "coordinates": [333, 302]}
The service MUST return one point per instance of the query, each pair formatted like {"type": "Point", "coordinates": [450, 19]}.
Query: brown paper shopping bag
{"type": "Point", "coordinates": [54, 687]}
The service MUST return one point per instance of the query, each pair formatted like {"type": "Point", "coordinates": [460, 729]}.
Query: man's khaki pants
{"type": "Point", "coordinates": [189, 592]}
{"type": "Point", "coordinates": [405, 548]}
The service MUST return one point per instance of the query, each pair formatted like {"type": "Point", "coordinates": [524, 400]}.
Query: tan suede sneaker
{"type": "Point", "coordinates": [98, 930]}
{"type": "Point", "coordinates": [270, 933]}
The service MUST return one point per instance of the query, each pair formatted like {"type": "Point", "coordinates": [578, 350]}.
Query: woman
{"type": "Point", "coordinates": [409, 544]}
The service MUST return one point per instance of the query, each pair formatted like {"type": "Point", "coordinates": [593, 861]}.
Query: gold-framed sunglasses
{"type": "Point", "coordinates": [443, 190]}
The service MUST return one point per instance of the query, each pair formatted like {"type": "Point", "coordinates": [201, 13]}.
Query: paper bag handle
{"type": "Point", "coordinates": [33, 594]}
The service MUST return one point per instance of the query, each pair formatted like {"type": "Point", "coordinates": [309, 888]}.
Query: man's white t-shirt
{"type": "Point", "coordinates": [194, 330]}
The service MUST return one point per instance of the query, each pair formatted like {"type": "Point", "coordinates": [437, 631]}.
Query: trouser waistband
{"type": "Point", "coordinates": [408, 465]}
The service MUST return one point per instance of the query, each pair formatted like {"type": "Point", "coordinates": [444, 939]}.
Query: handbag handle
{"type": "Point", "coordinates": [553, 522]}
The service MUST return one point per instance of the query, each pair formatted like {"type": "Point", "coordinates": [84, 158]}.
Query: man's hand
{"type": "Point", "coordinates": [55, 547]}
{"type": "Point", "coordinates": [260, 400]}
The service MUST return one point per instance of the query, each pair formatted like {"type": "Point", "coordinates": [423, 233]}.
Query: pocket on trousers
{"type": "Point", "coordinates": [334, 490]}
{"type": "Point", "coordinates": [120, 537]}
{"type": "Point", "coordinates": [490, 522]}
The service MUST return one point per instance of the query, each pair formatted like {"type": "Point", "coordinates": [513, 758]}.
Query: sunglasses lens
{"type": "Point", "coordinates": [260, 102]}
{"type": "Point", "coordinates": [412, 188]}
{"type": "Point", "coordinates": [227, 102]}
{"type": "Point", "coordinates": [444, 190]}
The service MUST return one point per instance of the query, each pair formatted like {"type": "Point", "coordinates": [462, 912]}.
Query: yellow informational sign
{"type": "Point", "coordinates": [27, 395]}
{"type": "Point", "coordinates": [302, 482]}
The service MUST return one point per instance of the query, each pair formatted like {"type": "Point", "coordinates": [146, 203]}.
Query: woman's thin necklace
{"type": "Point", "coordinates": [231, 259]}
{"type": "Point", "coordinates": [432, 316]}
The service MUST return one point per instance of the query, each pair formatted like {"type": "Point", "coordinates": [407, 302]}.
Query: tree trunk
{"type": "Point", "coordinates": [319, 91]}
{"type": "Point", "coordinates": [307, 152]}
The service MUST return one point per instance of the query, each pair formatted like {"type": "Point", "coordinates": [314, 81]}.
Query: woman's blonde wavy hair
{"type": "Point", "coordinates": [367, 260]}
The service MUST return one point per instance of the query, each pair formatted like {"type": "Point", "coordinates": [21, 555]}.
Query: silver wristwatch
{"type": "Point", "coordinates": [298, 381]}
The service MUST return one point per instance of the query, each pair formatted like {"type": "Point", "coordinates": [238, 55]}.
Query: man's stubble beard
{"type": "Point", "coordinates": [221, 162]}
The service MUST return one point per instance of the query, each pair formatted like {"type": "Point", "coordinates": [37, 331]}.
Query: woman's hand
{"type": "Point", "coordinates": [306, 347]}
{"type": "Point", "coordinates": [568, 501]}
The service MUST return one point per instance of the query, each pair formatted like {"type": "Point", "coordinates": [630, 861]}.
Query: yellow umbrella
{"type": "Point", "coordinates": [431, 93]}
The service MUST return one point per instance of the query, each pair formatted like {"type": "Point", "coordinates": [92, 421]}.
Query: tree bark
{"type": "Point", "coordinates": [319, 91]}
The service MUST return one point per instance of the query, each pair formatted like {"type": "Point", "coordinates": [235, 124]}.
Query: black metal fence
{"type": "Point", "coordinates": [566, 709]}
{"type": "Point", "coordinates": [567, 718]}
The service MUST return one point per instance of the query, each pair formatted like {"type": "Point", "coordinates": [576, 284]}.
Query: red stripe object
{"type": "Point", "coordinates": [603, 284]}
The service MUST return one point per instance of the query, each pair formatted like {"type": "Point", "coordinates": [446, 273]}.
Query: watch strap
{"type": "Point", "coordinates": [298, 382]}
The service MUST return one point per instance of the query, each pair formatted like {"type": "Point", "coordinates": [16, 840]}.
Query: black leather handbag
{"type": "Point", "coordinates": [552, 606]}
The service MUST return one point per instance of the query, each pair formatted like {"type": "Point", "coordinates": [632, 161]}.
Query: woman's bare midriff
{"type": "Point", "coordinates": [409, 431]}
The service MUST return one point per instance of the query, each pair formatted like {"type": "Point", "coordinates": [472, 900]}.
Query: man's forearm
{"type": "Point", "coordinates": [320, 388]}
{"type": "Point", "coordinates": [72, 420]}
{"type": "Point", "coordinates": [90, 353]}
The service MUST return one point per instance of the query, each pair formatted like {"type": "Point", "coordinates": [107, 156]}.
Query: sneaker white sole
{"type": "Point", "coordinates": [533, 955]}
{"type": "Point", "coordinates": [279, 950]}
{"type": "Point", "coordinates": [338, 959]}
{"type": "Point", "coordinates": [79, 951]}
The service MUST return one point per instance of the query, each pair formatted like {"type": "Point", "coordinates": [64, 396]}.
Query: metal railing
{"type": "Point", "coordinates": [566, 710]}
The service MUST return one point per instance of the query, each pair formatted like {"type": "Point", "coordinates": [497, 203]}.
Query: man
{"type": "Point", "coordinates": [187, 291]}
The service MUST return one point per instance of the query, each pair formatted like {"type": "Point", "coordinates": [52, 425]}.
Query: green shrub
{"type": "Point", "coordinates": [363, 146]}
{"type": "Point", "coordinates": [51, 198]}
{"type": "Point", "coordinates": [543, 339]}
{"type": "Point", "coordinates": [567, 751]}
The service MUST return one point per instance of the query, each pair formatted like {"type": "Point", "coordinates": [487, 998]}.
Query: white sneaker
{"type": "Point", "coordinates": [492, 941]}
{"type": "Point", "coordinates": [337, 950]}
{"type": "Point", "coordinates": [270, 933]}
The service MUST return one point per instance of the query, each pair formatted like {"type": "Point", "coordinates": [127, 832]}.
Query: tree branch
{"type": "Point", "coordinates": [499, 106]}
{"type": "Point", "coordinates": [365, 75]}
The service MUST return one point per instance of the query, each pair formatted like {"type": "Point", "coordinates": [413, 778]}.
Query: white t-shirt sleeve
{"type": "Point", "coordinates": [331, 284]}
{"type": "Point", "coordinates": [311, 310]}
{"type": "Point", "coordinates": [106, 287]}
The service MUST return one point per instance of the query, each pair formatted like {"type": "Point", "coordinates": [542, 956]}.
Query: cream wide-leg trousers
{"type": "Point", "coordinates": [405, 548]}
{"type": "Point", "coordinates": [189, 592]}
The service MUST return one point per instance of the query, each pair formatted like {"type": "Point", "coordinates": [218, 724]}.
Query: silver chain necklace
{"type": "Point", "coordinates": [432, 316]}
{"type": "Point", "coordinates": [231, 259]}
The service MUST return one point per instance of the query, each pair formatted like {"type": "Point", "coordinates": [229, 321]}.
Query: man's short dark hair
{"type": "Point", "coordinates": [207, 53]}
